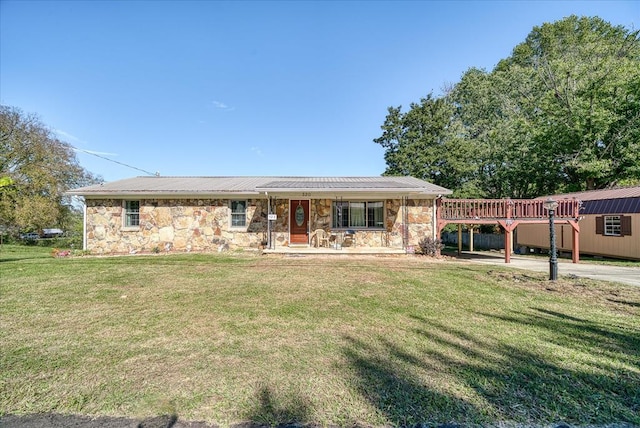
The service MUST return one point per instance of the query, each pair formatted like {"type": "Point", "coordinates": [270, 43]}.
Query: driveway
{"type": "Point", "coordinates": [624, 275]}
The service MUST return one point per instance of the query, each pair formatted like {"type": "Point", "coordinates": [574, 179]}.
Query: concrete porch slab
{"type": "Point", "coordinates": [332, 251]}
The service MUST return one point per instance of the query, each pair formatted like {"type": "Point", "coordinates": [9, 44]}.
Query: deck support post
{"type": "Point", "coordinates": [511, 235]}
{"type": "Point", "coordinates": [575, 251]}
{"type": "Point", "coordinates": [470, 238]}
{"type": "Point", "coordinates": [509, 226]}
{"type": "Point", "coordinates": [459, 239]}
{"type": "Point", "coordinates": [507, 245]}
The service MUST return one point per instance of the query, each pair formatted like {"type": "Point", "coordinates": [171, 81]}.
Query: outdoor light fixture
{"type": "Point", "coordinates": [551, 205]}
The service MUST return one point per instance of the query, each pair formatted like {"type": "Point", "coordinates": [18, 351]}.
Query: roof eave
{"type": "Point", "coordinates": [327, 193]}
{"type": "Point", "coordinates": [160, 195]}
{"type": "Point", "coordinates": [316, 191]}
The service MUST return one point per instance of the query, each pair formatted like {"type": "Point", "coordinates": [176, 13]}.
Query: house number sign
{"type": "Point", "coordinates": [299, 215]}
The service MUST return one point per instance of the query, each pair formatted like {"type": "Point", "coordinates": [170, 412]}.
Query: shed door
{"type": "Point", "coordinates": [299, 221]}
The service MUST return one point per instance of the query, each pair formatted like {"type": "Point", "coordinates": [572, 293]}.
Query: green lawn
{"type": "Point", "coordinates": [341, 341]}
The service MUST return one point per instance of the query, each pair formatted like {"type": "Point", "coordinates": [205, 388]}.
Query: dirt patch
{"type": "Point", "coordinates": [619, 298]}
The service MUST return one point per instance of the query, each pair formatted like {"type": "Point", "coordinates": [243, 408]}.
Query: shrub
{"type": "Point", "coordinates": [430, 247]}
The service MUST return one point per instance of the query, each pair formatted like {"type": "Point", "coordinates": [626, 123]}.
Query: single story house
{"type": "Point", "coordinates": [609, 225]}
{"type": "Point", "coordinates": [212, 213]}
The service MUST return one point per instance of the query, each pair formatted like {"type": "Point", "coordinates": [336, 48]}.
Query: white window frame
{"type": "Point", "coordinates": [357, 208]}
{"type": "Point", "coordinates": [238, 215]}
{"type": "Point", "coordinates": [129, 214]}
{"type": "Point", "coordinates": [612, 225]}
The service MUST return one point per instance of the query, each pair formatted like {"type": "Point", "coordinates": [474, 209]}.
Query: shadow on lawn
{"type": "Point", "coordinates": [524, 384]}
{"type": "Point", "coordinates": [270, 409]}
{"type": "Point", "coordinates": [592, 378]}
{"type": "Point", "coordinates": [11, 257]}
{"type": "Point", "coordinates": [384, 378]}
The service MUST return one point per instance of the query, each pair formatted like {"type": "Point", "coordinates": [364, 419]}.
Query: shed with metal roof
{"type": "Point", "coordinates": [609, 224]}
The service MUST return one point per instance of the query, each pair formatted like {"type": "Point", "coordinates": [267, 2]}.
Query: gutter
{"type": "Point", "coordinates": [164, 195]}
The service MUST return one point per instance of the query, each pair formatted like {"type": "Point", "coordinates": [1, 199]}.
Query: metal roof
{"type": "Point", "coordinates": [623, 200]}
{"type": "Point", "coordinates": [611, 206]}
{"type": "Point", "coordinates": [201, 186]}
{"type": "Point", "coordinates": [594, 195]}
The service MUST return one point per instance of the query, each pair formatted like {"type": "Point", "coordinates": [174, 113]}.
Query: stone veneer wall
{"type": "Point", "coordinates": [419, 215]}
{"type": "Point", "coordinates": [177, 224]}
{"type": "Point", "coordinates": [204, 225]}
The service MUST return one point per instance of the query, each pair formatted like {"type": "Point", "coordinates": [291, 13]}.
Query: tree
{"type": "Point", "coordinates": [422, 143]}
{"type": "Point", "coordinates": [39, 169]}
{"type": "Point", "coordinates": [588, 95]}
{"type": "Point", "coordinates": [562, 113]}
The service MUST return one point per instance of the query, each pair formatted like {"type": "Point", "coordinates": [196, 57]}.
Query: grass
{"type": "Point", "coordinates": [330, 341]}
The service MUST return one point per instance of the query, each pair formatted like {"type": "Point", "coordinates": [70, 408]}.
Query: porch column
{"type": "Point", "coordinates": [84, 224]}
{"type": "Point", "coordinates": [470, 238]}
{"type": "Point", "coordinates": [437, 203]}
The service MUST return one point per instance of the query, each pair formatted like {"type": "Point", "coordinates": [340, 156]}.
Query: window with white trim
{"type": "Point", "coordinates": [238, 213]}
{"type": "Point", "coordinates": [358, 214]}
{"type": "Point", "coordinates": [131, 213]}
{"type": "Point", "coordinates": [612, 225]}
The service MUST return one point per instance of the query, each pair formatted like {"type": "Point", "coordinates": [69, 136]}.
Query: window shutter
{"type": "Point", "coordinates": [600, 225]}
{"type": "Point", "coordinates": [625, 225]}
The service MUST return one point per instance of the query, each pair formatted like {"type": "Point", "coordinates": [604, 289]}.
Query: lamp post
{"type": "Point", "coordinates": [551, 206]}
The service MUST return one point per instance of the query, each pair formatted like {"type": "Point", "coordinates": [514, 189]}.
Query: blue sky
{"type": "Point", "coordinates": [249, 88]}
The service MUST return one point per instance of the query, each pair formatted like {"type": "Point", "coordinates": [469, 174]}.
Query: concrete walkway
{"type": "Point", "coordinates": [624, 275]}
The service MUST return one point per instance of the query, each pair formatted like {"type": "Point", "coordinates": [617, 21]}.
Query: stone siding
{"type": "Point", "coordinates": [173, 224]}
{"type": "Point", "coordinates": [204, 225]}
{"type": "Point", "coordinates": [420, 218]}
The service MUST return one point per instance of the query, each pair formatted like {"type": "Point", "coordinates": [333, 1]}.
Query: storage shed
{"type": "Point", "coordinates": [609, 225]}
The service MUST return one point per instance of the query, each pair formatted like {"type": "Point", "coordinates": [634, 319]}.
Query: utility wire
{"type": "Point", "coordinates": [114, 161]}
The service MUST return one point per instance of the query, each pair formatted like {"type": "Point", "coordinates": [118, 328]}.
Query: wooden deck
{"type": "Point", "coordinates": [508, 213]}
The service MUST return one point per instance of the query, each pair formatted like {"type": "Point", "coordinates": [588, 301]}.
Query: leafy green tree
{"type": "Point", "coordinates": [422, 143]}
{"type": "Point", "coordinates": [561, 113]}
{"type": "Point", "coordinates": [498, 119]}
{"type": "Point", "coordinates": [39, 169]}
{"type": "Point", "coordinates": [587, 73]}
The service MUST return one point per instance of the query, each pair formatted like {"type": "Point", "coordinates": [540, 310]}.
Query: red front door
{"type": "Point", "coordinates": [299, 221]}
